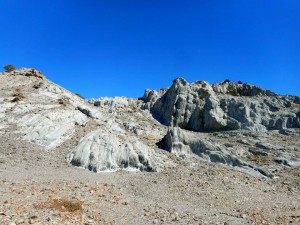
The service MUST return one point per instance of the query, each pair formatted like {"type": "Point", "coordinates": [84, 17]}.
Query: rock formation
{"type": "Point", "coordinates": [186, 144]}
{"type": "Point", "coordinates": [225, 106]}
{"type": "Point", "coordinates": [49, 115]}
{"type": "Point", "coordinates": [103, 150]}
{"type": "Point", "coordinates": [247, 125]}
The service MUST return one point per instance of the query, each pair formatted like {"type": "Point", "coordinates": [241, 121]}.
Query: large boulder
{"type": "Point", "coordinates": [225, 106]}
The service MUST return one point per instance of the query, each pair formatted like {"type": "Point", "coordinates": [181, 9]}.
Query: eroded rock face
{"type": "Point", "coordinates": [51, 128]}
{"type": "Point", "coordinates": [226, 106]}
{"type": "Point", "coordinates": [108, 134]}
{"type": "Point", "coordinates": [50, 116]}
{"type": "Point", "coordinates": [47, 115]}
{"type": "Point", "coordinates": [186, 144]}
{"type": "Point", "coordinates": [102, 150]}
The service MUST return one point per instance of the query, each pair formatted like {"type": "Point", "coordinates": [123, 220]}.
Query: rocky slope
{"type": "Point", "coordinates": [45, 114]}
{"type": "Point", "coordinates": [226, 153]}
{"type": "Point", "coordinates": [126, 137]}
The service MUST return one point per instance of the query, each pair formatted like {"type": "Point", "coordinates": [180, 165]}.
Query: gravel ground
{"type": "Point", "coordinates": [39, 187]}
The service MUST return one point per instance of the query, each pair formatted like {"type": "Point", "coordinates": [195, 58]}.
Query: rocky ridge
{"type": "Point", "coordinates": [186, 107]}
{"type": "Point", "coordinates": [225, 106]}
{"type": "Point", "coordinates": [126, 135]}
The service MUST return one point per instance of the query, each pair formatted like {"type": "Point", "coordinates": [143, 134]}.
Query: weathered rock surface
{"type": "Point", "coordinates": [48, 115]}
{"type": "Point", "coordinates": [111, 103]}
{"type": "Point", "coordinates": [225, 106]}
{"type": "Point", "coordinates": [108, 134]}
{"type": "Point", "coordinates": [103, 150]}
{"type": "Point", "coordinates": [50, 129]}
{"type": "Point", "coordinates": [185, 144]}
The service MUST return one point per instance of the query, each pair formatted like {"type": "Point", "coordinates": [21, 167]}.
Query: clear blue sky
{"type": "Point", "coordinates": [121, 47]}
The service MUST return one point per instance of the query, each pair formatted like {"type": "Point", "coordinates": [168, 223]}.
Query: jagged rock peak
{"type": "Point", "coordinates": [180, 81]}
{"type": "Point", "coordinates": [226, 87]}
{"type": "Point", "coordinates": [240, 89]}
{"type": "Point", "coordinates": [224, 106]}
{"type": "Point", "coordinates": [25, 72]}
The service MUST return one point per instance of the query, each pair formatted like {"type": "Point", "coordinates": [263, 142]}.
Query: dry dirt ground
{"type": "Point", "coordinates": [39, 187]}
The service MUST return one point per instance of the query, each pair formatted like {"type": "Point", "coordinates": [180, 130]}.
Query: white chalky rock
{"type": "Point", "coordinates": [102, 150]}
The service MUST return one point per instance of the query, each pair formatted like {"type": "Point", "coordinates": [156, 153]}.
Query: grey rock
{"type": "Point", "coordinates": [286, 132]}
{"type": "Point", "coordinates": [268, 146]}
{"type": "Point", "coordinates": [225, 106]}
{"type": "Point", "coordinates": [112, 103]}
{"type": "Point", "coordinates": [297, 99]}
{"type": "Point", "coordinates": [245, 142]}
{"type": "Point", "coordinates": [291, 162]}
{"type": "Point", "coordinates": [184, 144]}
{"type": "Point", "coordinates": [50, 128]}
{"type": "Point", "coordinates": [114, 133]}
{"type": "Point", "coordinates": [264, 171]}
{"type": "Point", "coordinates": [258, 153]}
{"type": "Point", "coordinates": [89, 112]}
{"type": "Point", "coordinates": [282, 161]}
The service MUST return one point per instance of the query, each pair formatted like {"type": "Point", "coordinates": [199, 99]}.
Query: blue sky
{"type": "Point", "coordinates": [121, 47]}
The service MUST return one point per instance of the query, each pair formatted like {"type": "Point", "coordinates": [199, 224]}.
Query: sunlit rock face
{"type": "Point", "coordinates": [45, 114]}
{"type": "Point", "coordinates": [186, 144]}
{"type": "Point", "coordinates": [103, 150]}
{"type": "Point", "coordinates": [244, 122]}
{"type": "Point", "coordinates": [228, 105]}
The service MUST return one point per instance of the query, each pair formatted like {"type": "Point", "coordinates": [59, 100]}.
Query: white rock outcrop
{"type": "Point", "coordinates": [51, 128]}
{"type": "Point", "coordinates": [103, 150]}
{"type": "Point", "coordinates": [225, 106]}
{"type": "Point", "coordinates": [109, 134]}
{"type": "Point", "coordinates": [48, 115]}
{"type": "Point", "coordinates": [186, 144]}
